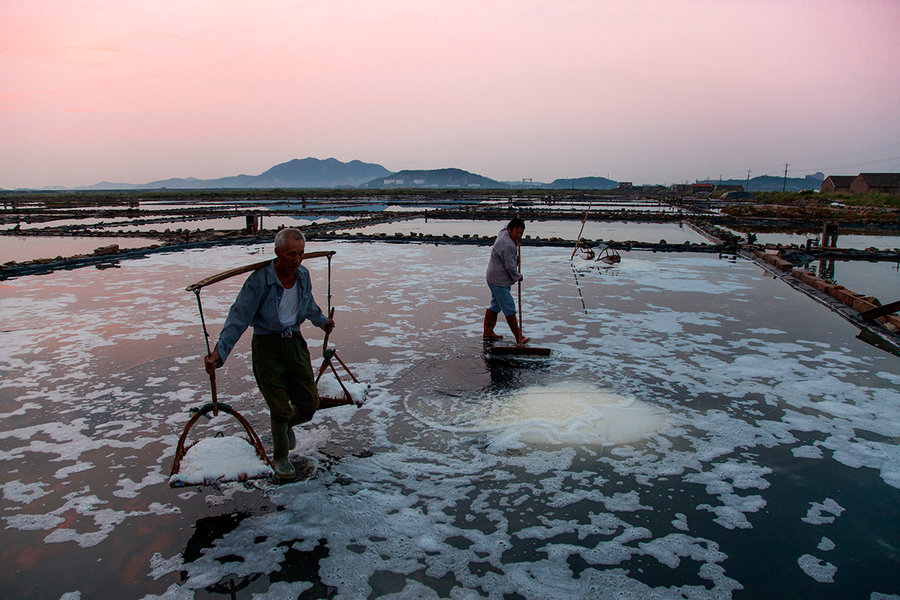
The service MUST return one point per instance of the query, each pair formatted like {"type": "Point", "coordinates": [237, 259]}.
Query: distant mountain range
{"type": "Point", "coordinates": [331, 173]}
{"type": "Point", "coordinates": [297, 173]}
{"type": "Point", "coordinates": [583, 183]}
{"type": "Point", "coordinates": [436, 178]}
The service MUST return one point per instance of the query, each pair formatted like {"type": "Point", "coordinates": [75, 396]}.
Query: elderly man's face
{"type": "Point", "coordinates": [516, 234]}
{"type": "Point", "coordinates": [289, 256]}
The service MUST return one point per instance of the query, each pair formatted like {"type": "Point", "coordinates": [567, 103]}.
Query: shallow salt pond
{"type": "Point", "coordinates": [851, 241]}
{"type": "Point", "coordinates": [25, 248]}
{"type": "Point", "coordinates": [225, 224]}
{"type": "Point", "coordinates": [620, 231]}
{"type": "Point", "coordinates": [880, 279]}
{"type": "Point", "coordinates": [701, 430]}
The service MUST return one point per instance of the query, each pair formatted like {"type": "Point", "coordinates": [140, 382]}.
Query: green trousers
{"type": "Point", "coordinates": [284, 375]}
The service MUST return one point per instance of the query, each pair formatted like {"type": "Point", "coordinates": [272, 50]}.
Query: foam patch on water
{"type": "Point", "coordinates": [817, 569]}
{"type": "Point", "coordinates": [574, 412]}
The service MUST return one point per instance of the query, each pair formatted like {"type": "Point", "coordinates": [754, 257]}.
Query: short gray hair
{"type": "Point", "coordinates": [283, 235]}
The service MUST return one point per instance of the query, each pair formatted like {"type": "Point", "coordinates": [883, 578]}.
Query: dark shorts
{"type": "Point", "coordinates": [284, 375]}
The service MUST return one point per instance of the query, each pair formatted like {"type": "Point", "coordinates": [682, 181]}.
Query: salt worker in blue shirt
{"type": "Point", "coordinates": [502, 272]}
{"type": "Point", "coordinates": [275, 300]}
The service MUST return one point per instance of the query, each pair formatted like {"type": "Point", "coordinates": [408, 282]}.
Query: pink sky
{"type": "Point", "coordinates": [649, 91]}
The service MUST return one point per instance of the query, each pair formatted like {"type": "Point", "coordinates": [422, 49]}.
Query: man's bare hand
{"type": "Point", "coordinates": [329, 326]}
{"type": "Point", "coordinates": [211, 362]}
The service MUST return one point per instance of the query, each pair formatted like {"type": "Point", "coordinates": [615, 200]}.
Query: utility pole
{"type": "Point", "coordinates": [747, 189]}
{"type": "Point", "coordinates": [784, 183]}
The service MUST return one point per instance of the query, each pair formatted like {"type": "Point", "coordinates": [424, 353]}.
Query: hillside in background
{"type": "Point", "coordinates": [771, 183]}
{"type": "Point", "coordinates": [435, 178]}
{"type": "Point", "coordinates": [312, 173]}
{"type": "Point", "coordinates": [297, 173]}
{"type": "Point", "coordinates": [583, 183]}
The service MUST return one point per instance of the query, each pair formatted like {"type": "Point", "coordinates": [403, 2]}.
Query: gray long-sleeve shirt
{"type": "Point", "coordinates": [503, 267]}
{"type": "Point", "coordinates": [257, 305]}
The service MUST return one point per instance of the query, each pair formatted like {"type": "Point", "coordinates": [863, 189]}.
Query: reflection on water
{"type": "Point", "coordinates": [163, 224]}
{"type": "Point", "coordinates": [25, 248]}
{"type": "Point", "coordinates": [849, 241]}
{"type": "Point", "coordinates": [879, 279]}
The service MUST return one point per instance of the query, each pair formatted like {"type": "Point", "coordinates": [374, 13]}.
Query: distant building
{"type": "Point", "coordinates": [701, 188]}
{"type": "Point", "coordinates": [876, 182]}
{"type": "Point", "coordinates": [708, 187]}
{"type": "Point", "coordinates": [625, 186]}
{"type": "Point", "coordinates": [837, 183]}
{"type": "Point", "coordinates": [738, 195]}
{"type": "Point", "coordinates": [650, 189]}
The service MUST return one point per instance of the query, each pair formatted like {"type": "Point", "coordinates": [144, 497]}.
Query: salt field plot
{"type": "Point", "coordinates": [844, 240]}
{"type": "Point", "coordinates": [22, 248]}
{"type": "Point", "coordinates": [223, 224]}
{"type": "Point", "coordinates": [673, 233]}
{"type": "Point", "coordinates": [701, 430]}
{"type": "Point", "coordinates": [880, 279]}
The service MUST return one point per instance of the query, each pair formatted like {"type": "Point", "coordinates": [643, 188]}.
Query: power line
{"type": "Point", "coordinates": [858, 165]}
{"type": "Point", "coordinates": [825, 168]}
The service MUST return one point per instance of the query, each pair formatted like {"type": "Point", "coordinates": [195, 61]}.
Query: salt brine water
{"type": "Point", "coordinates": [701, 430]}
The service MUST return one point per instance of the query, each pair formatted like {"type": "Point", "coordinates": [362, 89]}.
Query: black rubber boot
{"type": "Point", "coordinates": [295, 419]}
{"type": "Point", "coordinates": [281, 446]}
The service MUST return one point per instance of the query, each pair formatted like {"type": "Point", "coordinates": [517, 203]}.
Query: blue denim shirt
{"type": "Point", "coordinates": [257, 305]}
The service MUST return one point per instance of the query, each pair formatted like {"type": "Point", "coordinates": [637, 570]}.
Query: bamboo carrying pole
{"type": "Point", "coordinates": [196, 287]}
{"type": "Point", "coordinates": [252, 267]}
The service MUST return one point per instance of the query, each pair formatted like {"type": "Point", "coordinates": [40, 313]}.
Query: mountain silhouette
{"type": "Point", "coordinates": [297, 173]}
{"type": "Point", "coordinates": [435, 178]}
{"type": "Point", "coordinates": [311, 173]}
{"type": "Point", "coordinates": [583, 183]}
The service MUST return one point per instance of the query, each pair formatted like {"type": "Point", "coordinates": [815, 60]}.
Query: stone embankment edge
{"type": "Point", "coordinates": [887, 327]}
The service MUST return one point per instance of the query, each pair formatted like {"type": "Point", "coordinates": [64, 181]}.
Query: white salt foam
{"type": "Point", "coordinates": [228, 458]}
{"type": "Point", "coordinates": [330, 388]}
{"type": "Point", "coordinates": [575, 412]}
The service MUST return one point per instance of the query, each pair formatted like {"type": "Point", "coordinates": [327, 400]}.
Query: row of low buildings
{"type": "Point", "coordinates": [862, 183]}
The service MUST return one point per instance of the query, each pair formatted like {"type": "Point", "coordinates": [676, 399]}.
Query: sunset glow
{"type": "Point", "coordinates": [652, 91]}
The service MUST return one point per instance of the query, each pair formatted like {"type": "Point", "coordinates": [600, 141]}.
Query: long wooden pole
{"type": "Point", "coordinates": [519, 267]}
{"type": "Point", "coordinates": [580, 231]}
{"type": "Point", "coordinates": [253, 267]}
